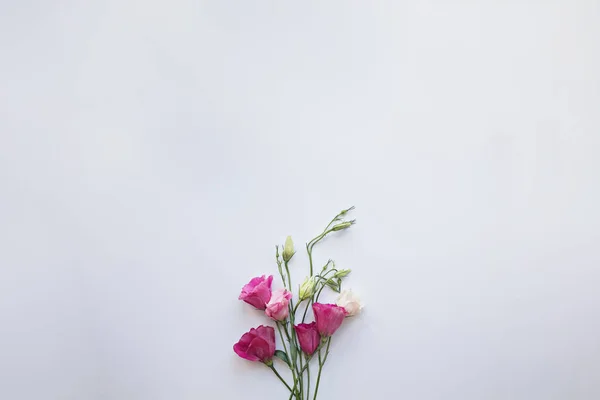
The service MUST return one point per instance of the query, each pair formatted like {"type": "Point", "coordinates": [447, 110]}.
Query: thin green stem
{"type": "Point", "coordinates": [321, 363]}
{"type": "Point", "coordinates": [296, 374]}
{"type": "Point", "coordinates": [287, 270]}
{"type": "Point", "coordinates": [309, 248]}
{"type": "Point", "coordinates": [296, 308]}
{"type": "Point", "coordinates": [280, 378]}
{"type": "Point", "coordinates": [311, 244]}
{"type": "Point", "coordinates": [326, 231]}
{"type": "Point", "coordinates": [319, 293]}
{"type": "Point", "coordinates": [308, 378]}
{"type": "Point", "coordinates": [301, 378]}
{"type": "Point", "coordinates": [305, 310]}
{"type": "Point", "coordinates": [283, 341]}
{"type": "Point", "coordinates": [309, 251]}
{"type": "Point", "coordinates": [305, 366]}
{"type": "Point", "coordinates": [291, 303]}
{"type": "Point", "coordinates": [279, 266]}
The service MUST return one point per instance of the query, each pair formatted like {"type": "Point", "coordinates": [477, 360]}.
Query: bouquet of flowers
{"type": "Point", "coordinates": [303, 343]}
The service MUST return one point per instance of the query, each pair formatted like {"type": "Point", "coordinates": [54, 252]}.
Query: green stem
{"type": "Point", "coordinates": [319, 293]}
{"type": "Point", "coordinates": [280, 378]}
{"type": "Point", "coordinates": [305, 310]}
{"type": "Point", "coordinates": [291, 336]}
{"type": "Point", "coordinates": [309, 248]}
{"type": "Point", "coordinates": [297, 375]}
{"type": "Point", "coordinates": [326, 231]}
{"type": "Point", "coordinates": [305, 366]}
{"type": "Point", "coordinates": [296, 308]}
{"type": "Point", "coordinates": [308, 379]}
{"type": "Point", "coordinates": [283, 341]}
{"type": "Point", "coordinates": [310, 245]}
{"type": "Point", "coordinates": [309, 251]}
{"type": "Point", "coordinates": [321, 363]}
{"type": "Point", "coordinates": [287, 270]}
{"type": "Point", "coordinates": [301, 379]}
{"type": "Point", "coordinates": [279, 266]}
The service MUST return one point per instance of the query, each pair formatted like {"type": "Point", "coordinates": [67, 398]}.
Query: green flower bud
{"type": "Point", "coordinates": [343, 225]}
{"type": "Point", "coordinates": [288, 249]}
{"type": "Point", "coordinates": [342, 273]}
{"type": "Point", "coordinates": [307, 289]}
{"type": "Point", "coordinates": [344, 212]}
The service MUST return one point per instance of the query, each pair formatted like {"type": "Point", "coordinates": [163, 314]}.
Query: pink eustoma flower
{"type": "Point", "coordinates": [329, 317]}
{"type": "Point", "coordinates": [308, 337]}
{"type": "Point", "coordinates": [277, 307]}
{"type": "Point", "coordinates": [257, 292]}
{"type": "Point", "coordinates": [257, 345]}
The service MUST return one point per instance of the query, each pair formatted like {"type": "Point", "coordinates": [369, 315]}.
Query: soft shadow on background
{"type": "Point", "coordinates": [153, 153]}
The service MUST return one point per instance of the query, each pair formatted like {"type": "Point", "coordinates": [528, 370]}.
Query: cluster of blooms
{"type": "Point", "coordinates": [304, 339]}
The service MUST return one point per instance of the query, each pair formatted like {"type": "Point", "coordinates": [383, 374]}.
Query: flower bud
{"type": "Point", "coordinates": [307, 289]}
{"type": "Point", "coordinates": [343, 225]}
{"type": "Point", "coordinates": [344, 212]}
{"type": "Point", "coordinates": [342, 273]}
{"type": "Point", "coordinates": [288, 249]}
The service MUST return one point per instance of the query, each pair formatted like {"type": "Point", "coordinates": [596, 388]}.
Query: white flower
{"type": "Point", "coordinates": [350, 302]}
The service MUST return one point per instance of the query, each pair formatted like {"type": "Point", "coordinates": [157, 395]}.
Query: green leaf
{"type": "Point", "coordinates": [282, 356]}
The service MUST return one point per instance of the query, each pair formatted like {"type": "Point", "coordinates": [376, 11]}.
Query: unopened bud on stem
{"type": "Point", "coordinates": [343, 225]}
{"type": "Point", "coordinates": [307, 289]}
{"type": "Point", "coordinates": [342, 273]}
{"type": "Point", "coordinates": [288, 249]}
{"type": "Point", "coordinates": [344, 212]}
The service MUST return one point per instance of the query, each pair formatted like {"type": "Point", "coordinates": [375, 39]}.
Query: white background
{"type": "Point", "coordinates": [152, 153]}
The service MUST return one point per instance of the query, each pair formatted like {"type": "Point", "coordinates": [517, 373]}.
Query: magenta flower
{"type": "Point", "coordinates": [257, 344]}
{"type": "Point", "coordinates": [329, 317]}
{"type": "Point", "coordinates": [257, 292]}
{"type": "Point", "coordinates": [308, 337]}
{"type": "Point", "coordinates": [277, 307]}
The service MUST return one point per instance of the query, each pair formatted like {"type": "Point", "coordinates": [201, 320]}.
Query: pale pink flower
{"type": "Point", "coordinates": [277, 307]}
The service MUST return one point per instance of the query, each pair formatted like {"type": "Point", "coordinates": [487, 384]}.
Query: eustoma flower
{"type": "Point", "coordinates": [308, 337]}
{"type": "Point", "coordinates": [302, 344]}
{"type": "Point", "coordinates": [350, 302]}
{"type": "Point", "coordinates": [277, 307]}
{"type": "Point", "coordinates": [257, 345]}
{"type": "Point", "coordinates": [257, 292]}
{"type": "Point", "coordinates": [329, 317]}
